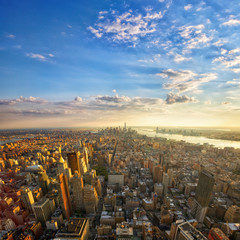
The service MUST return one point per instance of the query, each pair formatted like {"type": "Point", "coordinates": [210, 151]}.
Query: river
{"type": "Point", "coordinates": [150, 132]}
{"type": "Point", "coordinates": [10, 141]}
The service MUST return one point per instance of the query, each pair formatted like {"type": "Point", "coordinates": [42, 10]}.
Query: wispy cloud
{"type": "Point", "coordinates": [188, 7]}
{"type": "Point", "coordinates": [185, 80]}
{"type": "Point", "coordinates": [202, 6]}
{"type": "Point", "coordinates": [235, 82]}
{"type": "Point", "coordinates": [10, 36]}
{"type": "Point", "coordinates": [23, 100]}
{"type": "Point", "coordinates": [36, 56]}
{"type": "Point", "coordinates": [96, 104]}
{"type": "Point", "coordinates": [231, 60]}
{"type": "Point", "coordinates": [173, 98]}
{"type": "Point", "coordinates": [220, 42]}
{"type": "Point", "coordinates": [154, 58]}
{"type": "Point", "coordinates": [78, 99]}
{"type": "Point", "coordinates": [180, 58]}
{"type": "Point", "coordinates": [129, 26]}
{"type": "Point", "coordinates": [40, 57]}
{"type": "Point", "coordinates": [114, 99]}
{"type": "Point", "coordinates": [126, 27]}
{"type": "Point", "coordinates": [232, 22]}
{"type": "Point", "coordinates": [234, 51]}
{"type": "Point", "coordinates": [96, 32]}
{"type": "Point", "coordinates": [195, 37]}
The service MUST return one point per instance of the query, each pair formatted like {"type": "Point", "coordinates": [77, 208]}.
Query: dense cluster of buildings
{"type": "Point", "coordinates": [116, 184]}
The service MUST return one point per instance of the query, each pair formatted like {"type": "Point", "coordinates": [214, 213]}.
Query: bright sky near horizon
{"type": "Point", "coordinates": [100, 63]}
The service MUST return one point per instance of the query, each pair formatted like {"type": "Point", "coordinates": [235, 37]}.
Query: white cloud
{"type": "Point", "coordinates": [50, 55]}
{"type": "Point", "coordinates": [236, 50]}
{"type": "Point", "coordinates": [11, 36]}
{"type": "Point", "coordinates": [23, 100]}
{"type": "Point", "coordinates": [173, 98]}
{"type": "Point", "coordinates": [185, 80]}
{"type": "Point", "coordinates": [230, 60]}
{"type": "Point", "coordinates": [95, 31]}
{"type": "Point", "coordinates": [180, 58]}
{"type": "Point", "coordinates": [155, 15]}
{"type": "Point", "coordinates": [235, 82]}
{"type": "Point", "coordinates": [220, 42]}
{"type": "Point", "coordinates": [202, 6]}
{"type": "Point", "coordinates": [188, 7]}
{"type": "Point", "coordinates": [103, 12]}
{"type": "Point", "coordinates": [155, 58]}
{"type": "Point", "coordinates": [202, 39]}
{"type": "Point", "coordinates": [232, 22]}
{"type": "Point", "coordinates": [78, 99]}
{"type": "Point", "coordinates": [194, 36]}
{"type": "Point", "coordinates": [69, 26]}
{"type": "Point", "coordinates": [187, 31]}
{"type": "Point", "coordinates": [115, 99]}
{"type": "Point", "coordinates": [223, 51]}
{"type": "Point", "coordinates": [177, 76]}
{"type": "Point", "coordinates": [126, 27]}
{"type": "Point", "coordinates": [37, 56]}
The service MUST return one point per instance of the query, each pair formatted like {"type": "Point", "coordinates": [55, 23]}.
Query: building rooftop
{"type": "Point", "coordinates": [40, 202]}
{"type": "Point", "coordinates": [191, 231]}
{"type": "Point", "coordinates": [74, 228]}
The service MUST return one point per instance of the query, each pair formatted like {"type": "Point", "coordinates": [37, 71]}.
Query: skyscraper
{"type": "Point", "coordinates": [43, 181]}
{"type": "Point", "coordinates": [61, 165]}
{"type": "Point", "coordinates": [27, 198]}
{"type": "Point", "coordinates": [42, 211]}
{"type": "Point", "coordinates": [203, 195]}
{"type": "Point", "coordinates": [73, 162]}
{"type": "Point", "coordinates": [165, 182]}
{"type": "Point", "coordinates": [170, 174]}
{"type": "Point", "coordinates": [77, 184]}
{"type": "Point", "coordinates": [90, 198]}
{"type": "Point", "coordinates": [157, 174]}
{"type": "Point", "coordinates": [82, 166]}
{"type": "Point", "coordinates": [65, 201]}
{"type": "Point", "coordinates": [204, 188]}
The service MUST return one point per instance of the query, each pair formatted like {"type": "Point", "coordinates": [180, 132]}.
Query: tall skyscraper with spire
{"type": "Point", "coordinates": [62, 164]}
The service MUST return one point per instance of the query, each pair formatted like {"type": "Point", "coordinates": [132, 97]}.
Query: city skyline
{"type": "Point", "coordinates": [155, 63]}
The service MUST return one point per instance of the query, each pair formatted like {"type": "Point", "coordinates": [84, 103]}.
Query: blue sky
{"type": "Point", "coordinates": [84, 63]}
